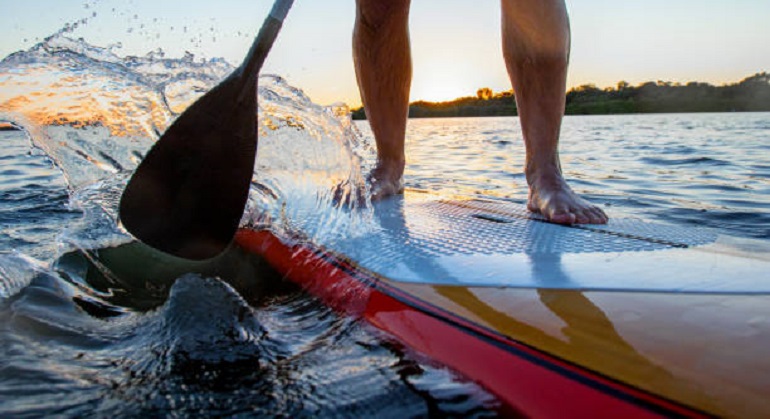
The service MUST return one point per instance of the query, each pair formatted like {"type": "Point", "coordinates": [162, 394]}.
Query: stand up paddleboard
{"type": "Point", "coordinates": [630, 319]}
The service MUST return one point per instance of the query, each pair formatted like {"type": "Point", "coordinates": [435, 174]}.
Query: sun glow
{"type": "Point", "coordinates": [438, 89]}
{"type": "Point", "coordinates": [440, 82]}
{"type": "Point", "coordinates": [451, 64]}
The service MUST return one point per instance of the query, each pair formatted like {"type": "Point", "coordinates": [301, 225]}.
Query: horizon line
{"type": "Point", "coordinates": [659, 82]}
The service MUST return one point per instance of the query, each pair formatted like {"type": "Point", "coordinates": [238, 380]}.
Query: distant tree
{"type": "Point", "coordinates": [750, 94]}
{"type": "Point", "coordinates": [485, 93]}
{"type": "Point", "coordinates": [757, 78]}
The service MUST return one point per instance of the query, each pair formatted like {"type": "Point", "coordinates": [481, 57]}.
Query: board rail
{"type": "Point", "coordinates": [525, 379]}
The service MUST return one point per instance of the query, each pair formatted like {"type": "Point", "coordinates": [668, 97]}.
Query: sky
{"type": "Point", "coordinates": [456, 45]}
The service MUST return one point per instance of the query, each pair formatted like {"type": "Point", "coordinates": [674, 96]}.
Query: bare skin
{"type": "Point", "coordinates": [383, 65]}
{"type": "Point", "coordinates": [536, 43]}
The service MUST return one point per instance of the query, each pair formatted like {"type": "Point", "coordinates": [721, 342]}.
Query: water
{"type": "Point", "coordinates": [80, 337]}
{"type": "Point", "coordinates": [84, 333]}
{"type": "Point", "coordinates": [710, 170]}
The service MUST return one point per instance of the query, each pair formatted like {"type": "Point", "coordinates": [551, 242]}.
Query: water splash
{"type": "Point", "coordinates": [96, 114]}
{"type": "Point", "coordinates": [310, 163]}
{"type": "Point", "coordinates": [93, 112]}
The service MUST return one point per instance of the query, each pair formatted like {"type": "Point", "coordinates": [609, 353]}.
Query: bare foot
{"type": "Point", "coordinates": [550, 196]}
{"type": "Point", "coordinates": [386, 179]}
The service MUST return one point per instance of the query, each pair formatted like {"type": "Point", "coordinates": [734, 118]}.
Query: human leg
{"type": "Point", "coordinates": [536, 44]}
{"type": "Point", "coordinates": [383, 64]}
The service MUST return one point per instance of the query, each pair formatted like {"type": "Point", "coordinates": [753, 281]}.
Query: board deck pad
{"type": "Point", "coordinates": [428, 239]}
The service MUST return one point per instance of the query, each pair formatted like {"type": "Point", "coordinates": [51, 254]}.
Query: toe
{"type": "Point", "coordinates": [597, 216]}
{"type": "Point", "coordinates": [583, 217]}
{"type": "Point", "coordinates": [562, 217]}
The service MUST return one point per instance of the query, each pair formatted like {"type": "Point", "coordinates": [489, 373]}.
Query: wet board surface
{"type": "Point", "coordinates": [629, 319]}
{"type": "Point", "coordinates": [424, 239]}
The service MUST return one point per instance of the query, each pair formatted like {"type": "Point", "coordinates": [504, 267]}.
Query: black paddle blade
{"type": "Point", "coordinates": [187, 196]}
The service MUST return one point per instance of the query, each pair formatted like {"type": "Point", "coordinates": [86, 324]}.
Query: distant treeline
{"type": "Point", "coordinates": [751, 94]}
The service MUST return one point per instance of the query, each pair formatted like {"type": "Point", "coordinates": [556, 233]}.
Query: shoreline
{"type": "Point", "coordinates": [356, 118]}
{"type": "Point", "coordinates": [752, 94]}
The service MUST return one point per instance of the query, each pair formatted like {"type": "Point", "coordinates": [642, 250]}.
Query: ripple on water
{"type": "Point", "coordinates": [206, 348]}
{"type": "Point", "coordinates": [695, 161]}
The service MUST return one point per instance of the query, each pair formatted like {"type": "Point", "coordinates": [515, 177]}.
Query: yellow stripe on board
{"type": "Point", "coordinates": [705, 351]}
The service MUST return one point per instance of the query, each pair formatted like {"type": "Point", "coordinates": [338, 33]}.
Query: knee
{"type": "Point", "coordinates": [552, 57]}
{"type": "Point", "coordinates": [375, 14]}
{"type": "Point", "coordinates": [537, 47]}
{"type": "Point", "coordinates": [537, 30]}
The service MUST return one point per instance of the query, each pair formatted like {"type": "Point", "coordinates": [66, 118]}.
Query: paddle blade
{"type": "Point", "coordinates": [188, 195]}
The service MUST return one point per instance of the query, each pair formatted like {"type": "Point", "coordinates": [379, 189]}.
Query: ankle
{"type": "Point", "coordinates": [543, 171]}
{"type": "Point", "coordinates": [390, 166]}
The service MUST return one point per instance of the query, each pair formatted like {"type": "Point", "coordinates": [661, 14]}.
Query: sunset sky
{"type": "Point", "coordinates": [456, 43]}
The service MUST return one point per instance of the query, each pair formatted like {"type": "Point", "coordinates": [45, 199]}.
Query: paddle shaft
{"type": "Point", "coordinates": [264, 41]}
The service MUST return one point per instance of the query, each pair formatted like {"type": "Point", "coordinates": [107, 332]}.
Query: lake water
{"type": "Point", "coordinates": [710, 170]}
{"type": "Point", "coordinates": [77, 340]}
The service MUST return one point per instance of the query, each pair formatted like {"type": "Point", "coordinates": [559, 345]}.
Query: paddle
{"type": "Point", "coordinates": [187, 196]}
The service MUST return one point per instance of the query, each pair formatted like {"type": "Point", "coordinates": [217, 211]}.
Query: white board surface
{"type": "Point", "coordinates": [422, 238]}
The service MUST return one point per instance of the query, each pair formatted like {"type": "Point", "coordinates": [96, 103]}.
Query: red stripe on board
{"type": "Point", "coordinates": [336, 287]}
{"type": "Point", "coordinates": [527, 380]}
